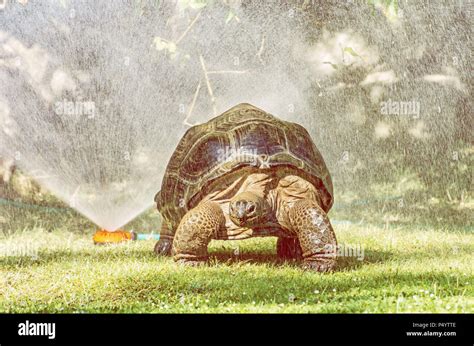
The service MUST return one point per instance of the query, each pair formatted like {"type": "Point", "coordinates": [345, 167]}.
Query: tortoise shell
{"type": "Point", "coordinates": [243, 136]}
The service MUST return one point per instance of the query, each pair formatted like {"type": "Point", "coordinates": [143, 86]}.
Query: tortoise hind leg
{"type": "Point", "coordinates": [164, 245]}
{"type": "Point", "coordinates": [195, 231]}
{"type": "Point", "coordinates": [315, 234]}
{"type": "Point", "coordinates": [289, 248]}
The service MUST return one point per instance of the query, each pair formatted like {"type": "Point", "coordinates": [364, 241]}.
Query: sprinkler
{"type": "Point", "coordinates": [103, 236]}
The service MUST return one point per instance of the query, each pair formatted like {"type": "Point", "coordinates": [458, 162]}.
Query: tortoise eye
{"type": "Point", "coordinates": [251, 208]}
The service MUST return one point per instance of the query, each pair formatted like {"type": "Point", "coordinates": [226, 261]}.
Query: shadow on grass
{"type": "Point", "coordinates": [112, 253]}
{"type": "Point", "coordinates": [343, 262]}
{"type": "Point", "coordinates": [355, 262]}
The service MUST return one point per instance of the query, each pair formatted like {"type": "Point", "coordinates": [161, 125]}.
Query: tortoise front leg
{"type": "Point", "coordinates": [163, 246]}
{"type": "Point", "coordinates": [315, 234]}
{"type": "Point", "coordinates": [195, 231]}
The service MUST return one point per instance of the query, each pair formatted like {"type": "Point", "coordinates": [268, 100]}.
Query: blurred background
{"type": "Point", "coordinates": [384, 87]}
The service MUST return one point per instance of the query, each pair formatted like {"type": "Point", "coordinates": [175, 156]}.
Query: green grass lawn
{"type": "Point", "coordinates": [406, 267]}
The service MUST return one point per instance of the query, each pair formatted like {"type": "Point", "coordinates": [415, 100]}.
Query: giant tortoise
{"type": "Point", "coordinates": [244, 174]}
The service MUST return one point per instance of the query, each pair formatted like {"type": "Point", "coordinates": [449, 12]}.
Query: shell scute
{"type": "Point", "coordinates": [240, 137]}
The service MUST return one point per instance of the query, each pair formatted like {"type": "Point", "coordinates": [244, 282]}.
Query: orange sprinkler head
{"type": "Point", "coordinates": [106, 237]}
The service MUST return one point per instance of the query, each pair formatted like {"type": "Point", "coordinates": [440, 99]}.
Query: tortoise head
{"type": "Point", "coordinates": [247, 209]}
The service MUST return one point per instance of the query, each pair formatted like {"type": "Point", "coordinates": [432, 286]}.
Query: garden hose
{"type": "Point", "coordinates": [107, 237]}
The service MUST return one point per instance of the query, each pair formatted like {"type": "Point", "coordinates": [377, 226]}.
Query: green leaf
{"type": "Point", "coordinates": [161, 44]}
{"type": "Point", "coordinates": [230, 16]}
{"type": "Point", "coordinates": [193, 4]}
{"type": "Point", "coordinates": [334, 66]}
{"type": "Point", "coordinates": [351, 52]}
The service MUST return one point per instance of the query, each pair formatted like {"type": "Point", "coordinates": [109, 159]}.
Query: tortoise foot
{"type": "Point", "coordinates": [319, 266]}
{"type": "Point", "coordinates": [191, 263]}
{"type": "Point", "coordinates": [163, 247]}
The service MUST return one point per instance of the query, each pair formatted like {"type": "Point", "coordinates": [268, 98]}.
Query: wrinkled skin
{"type": "Point", "coordinates": [287, 204]}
